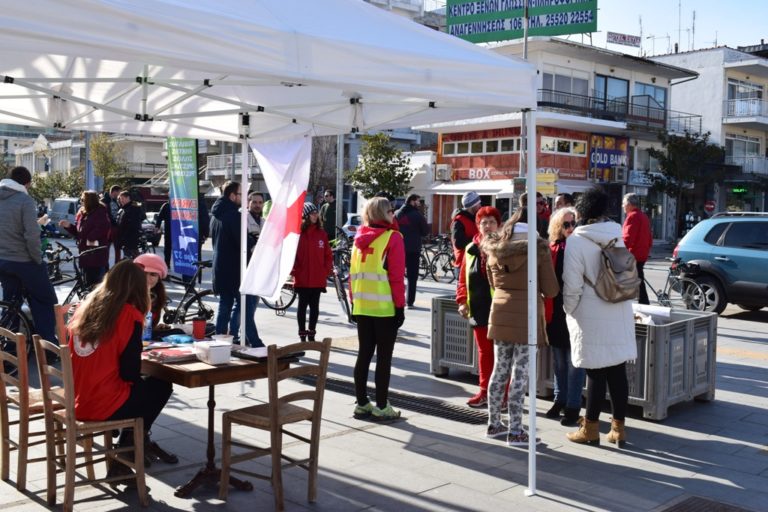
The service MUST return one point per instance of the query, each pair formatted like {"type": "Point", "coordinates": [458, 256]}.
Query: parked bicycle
{"type": "Point", "coordinates": [192, 303]}
{"type": "Point", "coordinates": [680, 291]}
{"type": "Point", "coordinates": [284, 301]}
{"type": "Point", "coordinates": [339, 278]}
{"type": "Point", "coordinates": [437, 260]}
{"type": "Point", "coordinates": [79, 287]}
{"type": "Point", "coordinates": [15, 319]}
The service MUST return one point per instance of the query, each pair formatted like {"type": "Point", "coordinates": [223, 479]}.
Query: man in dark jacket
{"type": "Point", "coordinates": [129, 225]}
{"type": "Point", "coordinates": [21, 253]}
{"type": "Point", "coordinates": [328, 214]}
{"type": "Point", "coordinates": [413, 227]}
{"type": "Point", "coordinates": [113, 207]}
{"type": "Point", "coordinates": [225, 236]}
{"type": "Point", "coordinates": [463, 227]}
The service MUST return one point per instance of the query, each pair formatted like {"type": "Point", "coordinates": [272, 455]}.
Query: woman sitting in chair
{"type": "Point", "coordinates": [105, 341]}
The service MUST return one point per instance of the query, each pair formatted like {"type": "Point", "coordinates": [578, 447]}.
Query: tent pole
{"type": "Point", "coordinates": [533, 300]}
{"type": "Point", "coordinates": [339, 180]}
{"type": "Point", "coordinates": [244, 186]}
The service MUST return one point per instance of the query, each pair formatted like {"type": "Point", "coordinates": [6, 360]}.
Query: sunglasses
{"type": "Point", "coordinates": [569, 225]}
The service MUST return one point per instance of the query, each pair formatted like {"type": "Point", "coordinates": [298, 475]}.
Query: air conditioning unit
{"type": "Point", "coordinates": [443, 172]}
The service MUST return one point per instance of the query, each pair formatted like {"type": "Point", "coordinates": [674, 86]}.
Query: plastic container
{"type": "Point", "coordinates": [213, 352]}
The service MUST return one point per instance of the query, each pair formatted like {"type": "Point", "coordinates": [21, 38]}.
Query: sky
{"type": "Point", "coordinates": [733, 23]}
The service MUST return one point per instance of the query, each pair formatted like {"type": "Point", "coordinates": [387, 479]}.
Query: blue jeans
{"type": "Point", "coordinates": [569, 381]}
{"type": "Point", "coordinates": [41, 296]}
{"type": "Point", "coordinates": [228, 317]}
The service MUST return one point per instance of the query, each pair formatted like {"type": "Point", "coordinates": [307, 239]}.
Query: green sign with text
{"type": "Point", "coordinates": [482, 21]}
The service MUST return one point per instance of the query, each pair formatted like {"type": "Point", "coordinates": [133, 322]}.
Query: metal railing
{"type": "Point", "coordinates": [222, 164]}
{"type": "Point", "coordinates": [637, 113]}
{"type": "Point", "coordinates": [749, 164]}
{"type": "Point", "coordinates": [752, 107]}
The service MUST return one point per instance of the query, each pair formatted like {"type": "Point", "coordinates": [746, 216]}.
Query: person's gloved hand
{"type": "Point", "coordinates": [399, 317]}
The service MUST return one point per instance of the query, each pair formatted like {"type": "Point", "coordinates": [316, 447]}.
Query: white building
{"type": "Point", "coordinates": [599, 111]}
{"type": "Point", "coordinates": [730, 96]}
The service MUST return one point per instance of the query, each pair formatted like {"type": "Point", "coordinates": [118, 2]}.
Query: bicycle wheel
{"type": "Point", "coordinates": [14, 321]}
{"type": "Point", "coordinates": [341, 294]}
{"type": "Point", "coordinates": [195, 307]}
{"type": "Point", "coordinates": [684, 293]}
{"type": "Point", "coordinates": [341, 263]}
{"type": "Point", "coordinates": [287, 296]}
{"type": "Point", "coordinates": [423, 266]}
{"type": "Point", "coordinates": [442, 267]}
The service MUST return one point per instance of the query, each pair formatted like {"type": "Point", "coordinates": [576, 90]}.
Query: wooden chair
{"type": "Point", "coordinates": [63, 313]}
{"type": "Point", "coordinates": [64, 429]}
{"type": "Point", "coordinates": [14, 372]}
{"type": "Point", "coordinates": [273, 416]}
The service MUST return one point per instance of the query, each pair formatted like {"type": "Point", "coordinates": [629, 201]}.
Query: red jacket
{"type": "Point", "coordinates": [394, 254]}
{"type": "Point", "coordinates": [463, 230]}
{"type": "Point", "coordinates": [314, 260]}
{"type": "Point", "coordinates": [99, 388]}
{"type": "Point", "coordinates": [637, 235]}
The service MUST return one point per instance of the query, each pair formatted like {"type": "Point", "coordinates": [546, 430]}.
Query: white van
{"type": "Point", "coordinates": [63, 208]}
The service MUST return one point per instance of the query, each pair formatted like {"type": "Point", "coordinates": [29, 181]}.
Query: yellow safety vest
{"type": "Point", "coordinates": [371, 293]}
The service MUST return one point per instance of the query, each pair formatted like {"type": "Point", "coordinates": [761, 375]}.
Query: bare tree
{"type": "Point", "coordinates": [322, 172]}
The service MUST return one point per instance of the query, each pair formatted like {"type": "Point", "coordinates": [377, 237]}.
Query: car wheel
{"type": "Point", "coordinates": [714, 294]}
{"type": "Point", "coordinates": [751, 307]}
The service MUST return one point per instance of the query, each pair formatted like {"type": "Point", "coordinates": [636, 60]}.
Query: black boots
{"type": "Point", "coordinates": [307, 335]}
{"type": "Point", "coordinates": [554, 411]}
{"type": "Point", "coordinates": [570, 417]}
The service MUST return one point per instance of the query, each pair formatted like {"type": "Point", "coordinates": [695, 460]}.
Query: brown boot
{"type": "Point", "coordinates": [617, 434]}
{"type": "Point", "coordinates": [588, 433]}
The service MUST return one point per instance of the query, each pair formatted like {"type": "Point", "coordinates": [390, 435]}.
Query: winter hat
{"type": "Point", "coordinates": [488, 211]}
{"type": "Point", "coordinates": [152, 263]}
{"type": "Point", "coordinates": [308, 208]}
{"type": "Point", "coordinates": [470, 199]}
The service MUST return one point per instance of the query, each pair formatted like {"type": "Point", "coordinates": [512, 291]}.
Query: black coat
{"type": "Point", "coordinates": [225, 237]}
{"type": "Point", "coordinates": [557, 328]}
{"type": "Point", "coordinates": [129, 226]}
{"type": "Point", "coordinates": [413, 226]}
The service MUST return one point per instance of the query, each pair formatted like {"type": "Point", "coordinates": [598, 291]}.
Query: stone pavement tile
{"type": "Point", "coordinates": [467, 497]}
{"type": "Point", "coordinates": [703, 458]}
{"type": "Point", "coordinates": [728, 487]}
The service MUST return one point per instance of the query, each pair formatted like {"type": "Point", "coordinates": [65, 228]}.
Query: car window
{"type": "Point", "coordinates": [747, 234]}
{"type": "Point", "coordinates": [714, 234]}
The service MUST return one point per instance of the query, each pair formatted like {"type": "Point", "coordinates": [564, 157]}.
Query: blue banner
{"type": "Point", "coordinates": [182, 176]}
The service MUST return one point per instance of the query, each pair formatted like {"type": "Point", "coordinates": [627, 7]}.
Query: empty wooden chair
{"type": "Point", "coordinates": [14, 373]}
{"type": "Point", "coordinates": [64, 428]}
{"type": "Point", "coordinates": [281, 410]}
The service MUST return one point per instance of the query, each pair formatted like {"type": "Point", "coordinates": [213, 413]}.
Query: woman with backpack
{"type": "Point", "coordinates": [507, 269]}
{"type": "Point", "coordinates": [602, 333]}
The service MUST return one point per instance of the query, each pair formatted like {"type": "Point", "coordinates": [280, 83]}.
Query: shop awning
{"type": "Point", "coordinates": [482, 187]}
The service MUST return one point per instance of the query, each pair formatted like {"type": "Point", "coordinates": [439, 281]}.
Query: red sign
{"type": "Point", "coordinates": [709, 206]}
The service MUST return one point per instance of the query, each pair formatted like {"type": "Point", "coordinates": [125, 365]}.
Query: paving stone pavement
{"type": "Point", "coordinates": [715, 450]}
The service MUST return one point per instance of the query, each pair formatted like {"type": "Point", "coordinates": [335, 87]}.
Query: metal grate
{"type": "Point", "coordinates": [413, 403]}
{"type": "Point", "coordinates": [697, 504]}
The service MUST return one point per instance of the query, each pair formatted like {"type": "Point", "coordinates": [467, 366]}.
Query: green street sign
{"type": "Point", "coordinates": [482, 21]}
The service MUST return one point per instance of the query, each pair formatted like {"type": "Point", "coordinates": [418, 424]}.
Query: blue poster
{"type": "Point", "coordinates": [182, 176]}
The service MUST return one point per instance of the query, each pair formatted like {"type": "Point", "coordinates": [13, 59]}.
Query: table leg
{"type": "Point", "coordinates": [210, 474]}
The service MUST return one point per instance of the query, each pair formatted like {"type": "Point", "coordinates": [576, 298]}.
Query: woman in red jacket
{"type": "Point", "coordinates": [105, 338]}
{"type": "Point", "coordinates": [314, 262]}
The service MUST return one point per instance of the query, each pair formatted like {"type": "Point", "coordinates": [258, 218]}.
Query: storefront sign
{"type": "Point", "coordinates": [182, 175]}
{"type": "Point", "coordinates": [606, 151]}
{"type": "Point", "coordinates": [639, 178]}
{"type": "Point", "coordinates": [481, 21]}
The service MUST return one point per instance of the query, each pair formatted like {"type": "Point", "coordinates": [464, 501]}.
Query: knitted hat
{"type": "Point", "coordinates": [152, 263]}
{"type": "Point", "coordinates": [308, 208]}
{"type": "Point", "coordinates": [470, 199]}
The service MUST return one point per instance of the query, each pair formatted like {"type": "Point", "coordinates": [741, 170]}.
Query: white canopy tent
{"type": "Point", "coordinates": [194, 69]}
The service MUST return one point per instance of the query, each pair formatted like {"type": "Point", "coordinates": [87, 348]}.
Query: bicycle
{"type": "Point", "coordinates": [80, 288]}
{"type": "Point", "coordinates": [144, 246]}
{"type": "Point", "coordinates": [284, 301]}
{"type": "Point", "coordinates": [341, 293]}
{"type": "Point", "coordinates": [437, 260]}
{"type": "Point", "coordinates": [192, 303]}
{"type": "Point", "coordinates": [15, 319]}
{"type": "Point", "coordinates": [679, 291]}
{"type": "Point", "coordinates": [53, 260]}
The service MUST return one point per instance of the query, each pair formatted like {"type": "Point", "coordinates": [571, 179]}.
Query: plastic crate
{"type": "Point", "coordinates": [675, 362]}
{"type": "Point", "coordinates": [453, 346]}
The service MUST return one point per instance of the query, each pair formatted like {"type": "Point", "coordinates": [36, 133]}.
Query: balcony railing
{"type": "Point", "coordinates": [220, 164]}
{"type": "Point", "coordinates": [745, 108]}
{"type": "Point", "coordinates": [749, 164]}
{"type": "Point", "coordinates": [638, 113]}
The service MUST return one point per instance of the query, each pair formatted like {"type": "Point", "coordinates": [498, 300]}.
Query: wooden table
{"type": "Point", "coordinates": [196, 374]}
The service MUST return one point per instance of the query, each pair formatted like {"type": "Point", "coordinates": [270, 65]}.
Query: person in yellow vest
{"type": "Point", "coordinates": [377, 293]}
